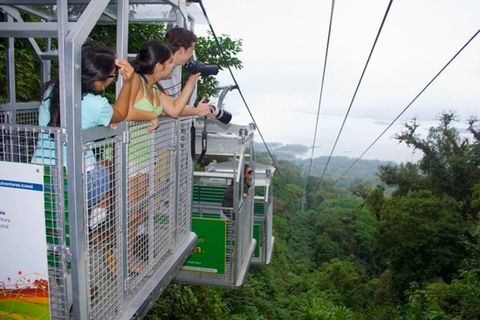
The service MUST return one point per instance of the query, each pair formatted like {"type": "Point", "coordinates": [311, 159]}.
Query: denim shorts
{"type": "Point", "coordinates": [97, 184]}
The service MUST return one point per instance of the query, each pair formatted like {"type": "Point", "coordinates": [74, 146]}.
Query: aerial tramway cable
{"type": "Point", "coordinates": [356, 90]}
{"type": "Point", "coordinates": [318, 109]}
{"type": "Point", "coordinates": [238, 86]}
{"type": "Point", "coordinates": [408, 106]}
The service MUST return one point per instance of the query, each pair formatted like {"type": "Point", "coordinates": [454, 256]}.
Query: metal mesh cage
{"type": "Point", "coordinates": [27, 117]}
{"type": "Point", "coordinates": [184, 187]}
{"type": "Point", "coordinates": [262, 229]}
{"type": "Point", "coordinates": [120, 258]}
{"type": "Point", "coordinates": [4, 117]}
{"type": "Point", "coordinates": [225, 233]}
{"type": "Point", "coordinates": [150, 198]}
{"type": "Point", "coordinates": [102, 196]}
{"type": "Point", "coordinates": [17, 144]}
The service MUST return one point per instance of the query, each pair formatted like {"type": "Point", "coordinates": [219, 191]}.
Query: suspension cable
{"type": "Point", "coordinates": [318, 109]}
{"type": "Point", "coordinates": [356, 90]}
{"type": "Point", "coordinates": [408, 106]}
{"type": "Point", "coordinates": [238, 86]}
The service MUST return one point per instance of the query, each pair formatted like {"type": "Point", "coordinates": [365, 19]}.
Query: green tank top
{"type": "Point", "coordinates": [144, 104]}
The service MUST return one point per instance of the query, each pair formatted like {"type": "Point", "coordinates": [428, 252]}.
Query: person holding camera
{"type": "Point", "coordinates": [182, 43]}
{"type": "Point", "coordinates": [149, 100]}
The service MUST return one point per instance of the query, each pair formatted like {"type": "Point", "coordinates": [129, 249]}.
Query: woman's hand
{"type": "Point", "coordinates": [125, 69]}
{"type": "Point", "coordinates": [154, 124]}
{"type": "Point", "coordinates": [192, 79]}
{"type": "Point", "coordinates": [204, 109]}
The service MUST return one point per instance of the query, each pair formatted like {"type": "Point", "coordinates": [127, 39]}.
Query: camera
{"type": "Point", "coordinates": [221, 115]}
{"type": "Point", "coordinates": [206, 70]}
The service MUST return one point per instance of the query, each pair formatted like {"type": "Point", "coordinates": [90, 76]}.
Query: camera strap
{"type": "Point", "coordinates": [192, 140]}
{"type": "Point", "coordinates": [204, 140]}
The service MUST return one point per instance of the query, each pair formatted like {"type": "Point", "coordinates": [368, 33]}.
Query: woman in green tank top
{"type": "Point", "coordinates": [148, 100]}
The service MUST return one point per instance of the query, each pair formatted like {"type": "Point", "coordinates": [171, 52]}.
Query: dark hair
{"type": "Point", "coordinates": [150, 53]}
{"type": "Point", "coordinates": [98, 61]}
{"type": "Point", "coordinates": [180, 38]}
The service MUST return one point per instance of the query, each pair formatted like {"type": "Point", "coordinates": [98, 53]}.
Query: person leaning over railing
{"type": "Point", "coordinates": [148, 100]}
{"type": "Point", "coordinates": [182, 42]}
{"type": "Point", "coordinates": [100, 68]}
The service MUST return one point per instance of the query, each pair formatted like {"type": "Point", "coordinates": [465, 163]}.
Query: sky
{"type": "Point", "coordinates": [283, 56]}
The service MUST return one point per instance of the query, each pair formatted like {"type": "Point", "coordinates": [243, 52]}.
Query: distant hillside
{"type": "Point", "coordinates": [363, 172]}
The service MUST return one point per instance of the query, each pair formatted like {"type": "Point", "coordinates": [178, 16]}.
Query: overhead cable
{"type": "Point", "coordinates": [318, 109]}
{"type": "Point", "coordinates": [408, 106]}
{"type": "Point", "coordinates": [356, 90]}
{"type": "Point", "coordinates": [238, 86]}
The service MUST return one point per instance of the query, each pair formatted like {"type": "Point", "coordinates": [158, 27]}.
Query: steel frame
{"type": "Point", "coordinates": [71, 36]}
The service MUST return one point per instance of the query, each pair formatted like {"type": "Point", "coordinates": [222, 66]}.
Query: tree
{"type": "Point", "coordinates": [422, 237]}
{"type": "Point", "coordinates": [449, 166]}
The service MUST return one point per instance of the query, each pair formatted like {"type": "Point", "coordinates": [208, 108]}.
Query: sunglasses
{"type": "Point", "coordinates": [114, 74]}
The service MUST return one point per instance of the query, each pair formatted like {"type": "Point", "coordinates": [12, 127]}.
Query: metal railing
{"type": "Point", "coordinates": [132, 250]}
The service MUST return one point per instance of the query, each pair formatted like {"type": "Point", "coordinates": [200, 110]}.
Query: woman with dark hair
{"type": "Point", "coordinates": [148, 99]}
{"type": "Point", "coordinates": [247, 182]}
{"type": "Point", "coordinates": [99, 70]}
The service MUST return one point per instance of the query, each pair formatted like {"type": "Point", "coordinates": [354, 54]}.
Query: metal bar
{"type": "Point", "coordinates": [100, 133]}
{"type": "Point", "coordinates": [177, 174]}
{"type": "Point", "coordinates": [87, 21]}
{"type": "Point", "coordinates": [240, 163]}
{"type": "Point", "coordinates": [16, 15]}
{"type": "Point", "coordinates": [48, 55]}
{"type": "Point", "coordinates": [28, 29]}
{"type": "Point", "coordinates": [46, 63]}
{"type": "Point", "coordinates": [70, 97]}
{"type": "Point", "coordinates": [122, 35]}
{"type": "Point", "coordinates": [19, 106]}
{"type": "Point", "coordinates": [37, 13]}
{"type": "Point", "coordinates": [11, 92]}
{"type": "Point", "coordinates": [214, 174]}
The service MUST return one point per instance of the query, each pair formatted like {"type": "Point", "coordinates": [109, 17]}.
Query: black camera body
{"type": "Point", "coordinates": [194, 66]}
{"type": "Point", "coordinates": [221, 115]}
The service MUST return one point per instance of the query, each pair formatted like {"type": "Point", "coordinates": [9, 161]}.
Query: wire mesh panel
{"type": "Point", "coordinates": [151, 197]}
{"type": "Point", "coordinates": [262, 230]}
{"type": "Point", "coordinates": [4, 116]}
{"type": "Point", "coordinates": [19, 144]}
{"type": "Point", "coordinates": [224, 235]}
{"type": "Point", "coordinates": [184, 187]}
{"type": "Point", "coordinates": [27, 117]}
{"type": "Point", "coordinates": [244, 230]}
{"type": "Point", "coordinates": [102, 190]}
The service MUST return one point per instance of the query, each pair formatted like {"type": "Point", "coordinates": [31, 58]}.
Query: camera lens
{"type": "Point", "coordinates": [205, 70]}
{"type": "Point", "coordinates": [224, 116]}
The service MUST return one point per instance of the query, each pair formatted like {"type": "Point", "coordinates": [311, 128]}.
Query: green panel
{"type": "Point", "coordinates": [49, 203]}
{"type": "Point", "coordinates": [259, 207]}
{"type": "Point", "coordinates": [256, 236]}
{"type": "Point", "coordinates": [210, 253]}
{"type": "Point", "coordinates": [208, 193]}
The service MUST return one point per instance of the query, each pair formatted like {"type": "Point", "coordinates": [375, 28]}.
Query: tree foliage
{"type": "Point", "coordinates": [421, 238]}
{"type": "Point", "coordinates": [449, 166]}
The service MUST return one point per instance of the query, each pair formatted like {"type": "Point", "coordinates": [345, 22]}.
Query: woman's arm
{"type": "Point", "coordinates": [174, 108]}
{"type": "Point", "coordinates": [202, 109]}
{"type": "Point", "coordinates": [120, 108]}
